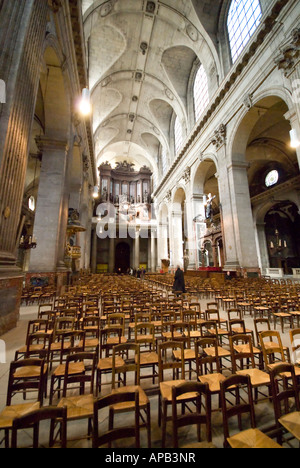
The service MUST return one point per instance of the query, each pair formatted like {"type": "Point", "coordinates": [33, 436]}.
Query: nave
{"type": "Point", "coordinates": [180, 320]}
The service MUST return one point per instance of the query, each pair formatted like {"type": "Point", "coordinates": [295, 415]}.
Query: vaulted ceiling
{"type": "Point", "coordinates": [140, 57]}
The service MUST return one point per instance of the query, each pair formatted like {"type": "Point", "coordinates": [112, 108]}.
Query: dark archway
{"type": "Point", "coordinates": [282, 226]}
{"type": "Point", "coordinates": [122, 257]}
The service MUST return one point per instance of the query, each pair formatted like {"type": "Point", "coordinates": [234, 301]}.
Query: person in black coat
{"type": "Point", "coordinates": [179, 283]}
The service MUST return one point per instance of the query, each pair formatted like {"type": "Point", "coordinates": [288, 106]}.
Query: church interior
{"type": "Point", "coordinates": [150, 224]}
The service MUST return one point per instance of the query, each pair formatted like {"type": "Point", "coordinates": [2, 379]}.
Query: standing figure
{"type": "Point", "coordinates": [209, 211]}
{"type": "Point", "coordinates": [179, 283]}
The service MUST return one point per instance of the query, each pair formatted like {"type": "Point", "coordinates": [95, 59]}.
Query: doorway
{"type": "Point", "coordinates": [122, 257]}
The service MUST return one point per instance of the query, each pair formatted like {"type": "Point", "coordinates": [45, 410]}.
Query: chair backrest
{"type": "Point", "coordinates": [26, 375]}
{"type": "Point", "coordinates": [116, 319]}
{"type": "Point", "coordinates": [207, 362]}
{"type": "Point", "coordinates": [145, 334]}
{"type": "Point", "coordinates": [234, 314]}
{"type": "Point", "coordinates": [181, 331]}
{"type": "Point", "coordinates": [63, 324]}
{"type": "Point", "coordinates": [91, 324]}
{"type": "Point", "coordinates": [241, 348]}
{"type": "Point", "coordinates": [166, 361]}
{"type": "Point", "coordinates": [117, 433]}
{"type": "Point", "coordinates": [239, 322]}
{"type": "Point", "coordinates": [243, 403]}
{"type": "Point", "coordinates": [274, 347]}
{"type": "Point", "coordinates": [131, 362]}
{"type": "Point", "coordinates": [43, 342]}
{"type": "Point", "coordinates": [295, 342]}
{"type": "Point", "coordinates": [285, 390]}
{"type": "Point", "coordinates": [32, 420]}
{"type": "Point", "coordinates": [142, 317]}
{"type": "Point", "coordinates": [212, 315]}
{"type": "Point", "coordinates": [190, 316]}
{"type": "Point", "coordinates": [207, 327]}
{"type": "Point", "coordinates": [265, 323]}
{"type": "Point", "coordinates": [88, 361]}
{"type": "Point", "coordinates": [194, 416]}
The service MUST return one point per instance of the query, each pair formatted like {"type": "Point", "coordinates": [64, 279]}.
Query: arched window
{"type": "Point", "coordinates": [201, 97]}
{"type": "Point", "coordinates": [164, 160]}
{"type": "Point", "coordinates": [177, 135]}
{"type": "Point", "coordinates": [243, 19]}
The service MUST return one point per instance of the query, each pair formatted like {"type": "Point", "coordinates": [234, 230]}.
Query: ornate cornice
{"type": "Point", "coordinates": [289, 54]}
{"type": "Point", "coordinates": [78, 38]}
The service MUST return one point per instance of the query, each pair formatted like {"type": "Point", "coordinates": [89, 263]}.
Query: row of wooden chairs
{"type": "Point", "coordinates": [82, 406]}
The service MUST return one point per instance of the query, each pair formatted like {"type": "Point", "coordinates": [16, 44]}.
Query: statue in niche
{"type": "Point", "coordinates": [73, 217]}
{"type": "Point", "coordinates": [209, 209]}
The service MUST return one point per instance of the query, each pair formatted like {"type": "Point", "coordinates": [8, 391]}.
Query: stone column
{"type": "Point", "coordinates": [176, 239]}
{"type": "Point", "coordinates": [137, 250]}
{"type": "Point", "coordinates": [50, 202]}
{"type": "Point", "coordinates": [153, 250]}
{"type": "Point", "coordinates": [94, 250]}
{"type": "Point", "coordinates": [22, 33]}
{"type": "Point", "coordinates": [229, 240]}
{"type": "Point", "coordinates": [162, 243]}
{"type": "Point", "coordinates": [242, 216]}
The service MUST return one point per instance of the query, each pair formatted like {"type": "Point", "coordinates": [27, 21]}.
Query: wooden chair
{"type": "Point", "coordinates": [239, 387]}
{"type": "Point", "coordinates": [119, 383]}
{"type": "Point", "coordinates": [166, 363]}
{"type": "Point", "coordinates": [79, 406]}
{"type": "Point", "coordinates": [27, 375]}
{"type": "Point", "coordinates": [242, 352]}
{"type": "Point", "coordinates": [181, 331]}
{"type": "Point", "coordinates": [285, 392]}
{"type": "Point", "coordinates": [272, 348]}
{"type": "Point", "coordinates": [210, 330]}
{"type": "Point", "coordinates": [60, 345]}
{"type": "Point", "coordinates": [208, 364]}
{"type": "Point", "coordinates": [295, 342]}
{"type": "Point", "coordinates": [109, 337]}
{"type": "Point", "coordinates": [116, 434]}
{"type": "Point", "coordinates": [34, 326]}
{"type": "Point", "coordinates": [213, 315]}
{"type": "Point", "coordinates": [263, 324]}
{"type": "Point", "coordinates": [91, 326]}
{"type": "Point", "coordinates": [181, 396]}
{"type": "Point", "coordinates": [72, 342]}
{"type": "Point", "coordinates": [145, 338]}
{"type": "Point", "coordinates": [56, 416]}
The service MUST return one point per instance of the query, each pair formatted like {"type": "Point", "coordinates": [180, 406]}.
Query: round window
{"type": "Point", "coordinates": [272, 178]}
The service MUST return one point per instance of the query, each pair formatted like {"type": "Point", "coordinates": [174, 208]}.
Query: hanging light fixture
{"type": "Point", "coordinates": [85, 103]}
{"type": "Point", "coordinates": [295, 142]}
{"type": "Point", "coordinates": [96, 192]}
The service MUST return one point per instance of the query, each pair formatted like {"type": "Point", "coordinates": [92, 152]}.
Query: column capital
{"type": "Point", "coordinates": [238, 165]}
{"type": "Point", "coordinates": [219, 137]}
{"type": "Point", "coordinates": [45, 143]}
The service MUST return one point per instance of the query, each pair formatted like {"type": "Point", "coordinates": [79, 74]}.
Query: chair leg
{"type": "Point", "coordinates": [164, 422]}
{"type": "Point", "coordinates": [149, 425]}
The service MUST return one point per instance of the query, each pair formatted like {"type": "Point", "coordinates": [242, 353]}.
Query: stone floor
{"type": "Point", "coordinates": [16, 338]}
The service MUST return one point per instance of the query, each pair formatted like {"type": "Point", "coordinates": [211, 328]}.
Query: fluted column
{"type": "Point", "coordinates": [22, 32]}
